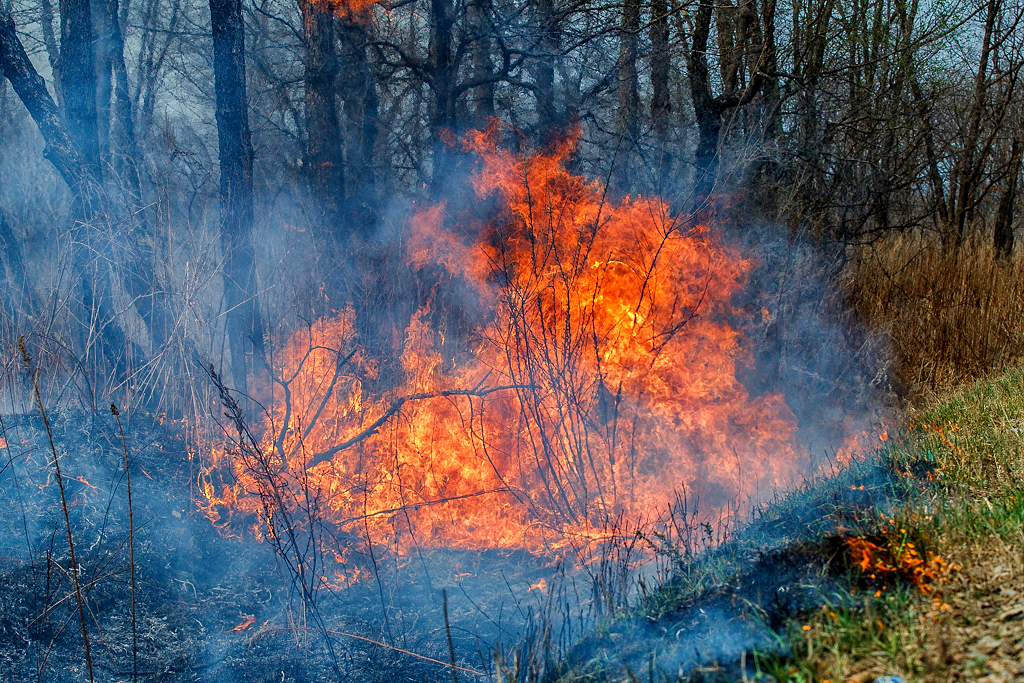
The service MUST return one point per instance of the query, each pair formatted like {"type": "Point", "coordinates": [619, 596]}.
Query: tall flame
{"type": "Point", "coordinates": [597, 378]}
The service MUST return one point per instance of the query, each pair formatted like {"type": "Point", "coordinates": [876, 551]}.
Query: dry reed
{"type": "Point", "coordinates": [951, 315]}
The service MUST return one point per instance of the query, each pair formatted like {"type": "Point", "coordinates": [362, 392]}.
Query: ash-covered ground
{"type": "Point", "coordinates": [210, 608]}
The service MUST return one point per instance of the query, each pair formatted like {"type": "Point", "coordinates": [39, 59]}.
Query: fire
{"type": "Point", "coordinates": [346, 9]}
{"type": "Point", "coordinates": [595, 378]}
{"type": "Point", "coordinates": [892, 553]}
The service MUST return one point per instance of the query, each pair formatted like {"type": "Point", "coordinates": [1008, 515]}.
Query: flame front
{"type": "Point", "coordinates": [597, 378]}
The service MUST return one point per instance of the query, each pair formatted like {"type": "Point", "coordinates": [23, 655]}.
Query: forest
{"type": "Point", "coordinates": [468, 330]}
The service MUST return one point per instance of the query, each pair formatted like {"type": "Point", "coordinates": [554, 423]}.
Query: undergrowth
{"type": "Point", "coordinates": [950, 315]}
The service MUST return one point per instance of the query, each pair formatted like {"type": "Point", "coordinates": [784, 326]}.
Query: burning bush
{"type": "Point", "coordinates": [597, 375]}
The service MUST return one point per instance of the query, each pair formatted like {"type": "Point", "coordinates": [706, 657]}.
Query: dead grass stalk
{"type": "Point", "coordinates": [951, 315]}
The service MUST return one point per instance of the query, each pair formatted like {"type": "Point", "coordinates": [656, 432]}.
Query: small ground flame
{"type": "Point", "coordinates": [596, 378]}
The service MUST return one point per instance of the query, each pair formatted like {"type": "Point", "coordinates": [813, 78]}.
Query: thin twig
{"type": "Point", "coordinates": [131, 543]}
{"type": "Point", "coordinates": [396, 406]}
{"type": "Point", "coordinates": [406, 652]}
{"type": "Point", "coordinates": [448, 630]}
{"type": "Point", "coordinates": [63, 501]}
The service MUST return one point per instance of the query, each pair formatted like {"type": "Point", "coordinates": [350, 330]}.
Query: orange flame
{"type": "Point", "coordinates": [346, 9]}
{"type": "Point", "coordinates": [890, 554]}
{"type": "Point", "coordinates": [598, 378]}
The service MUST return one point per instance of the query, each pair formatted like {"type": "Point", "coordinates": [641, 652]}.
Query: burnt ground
{"type": "Point", "coordinates": [211, 608]}
{"type": "Point", "coordinates": [718, 608]}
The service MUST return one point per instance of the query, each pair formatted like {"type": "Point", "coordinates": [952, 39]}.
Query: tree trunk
{"type": "Point", "coordinates": [99, 315]}
{"type": "Point", "coordinates": [125, 151]}
{"type": "Point", "coordinates": [78, 78]}
{"type": "Point", "coordinates": [442, 83]}
{"type": "Point", "coordinates": [244, 326]}
{"type": "Point", "coordinates": [102, 28]}
{"type": "Point", "coordinates": [361, 105]}
{"type": "Point", "coordinates": [706, 110]}
{"type": "Point", "coordinates": [483, 68]}
{"type": "Point", "coordinates": [969, 166]}
{"type": "Point", "coordinates": [52, 51]}
{"type": "Point", "coordinates": [1003, 238]}
{"type": "Point", "coordinates": [661, 103]}
{"type": "Point", "coordinates": [324, 159]}
{"type": "Point", "coordinates": [628, 97]}
{"type": "Point", "coordinates": [30, 87]}
{"type": "Point", "coordinates": [549, 124]}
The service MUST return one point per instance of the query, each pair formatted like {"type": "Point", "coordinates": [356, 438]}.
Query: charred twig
{"type": "Point", "coordinates": [448, 631]}
{"type": "Point", "coordinates": [283, 529]}
{"type": "Point", "coordinates": [131, 543]}
{"type": "Point", "coordinates": [405, 652]}
{"type": "Point", "coordinates": [416, 506]}
{"type": "Point", "coordinates": [63, 500]}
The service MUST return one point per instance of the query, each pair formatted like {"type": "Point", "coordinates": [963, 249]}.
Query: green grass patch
{"type": "Point", "coordinates": [963, 461]}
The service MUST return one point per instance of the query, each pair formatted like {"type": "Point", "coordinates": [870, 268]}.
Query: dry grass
{"type": "Point", "coordinates": [951, 315]}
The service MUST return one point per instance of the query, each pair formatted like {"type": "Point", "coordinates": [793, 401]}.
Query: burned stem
{"type": "Point", "coordinates": [448, 631]}
{"type": "Point", "coordinates": [63, 501]}
{"type": "Point", "coordinates": [131, 542]}
{"type": "Point", "coordinates": [283, 529]}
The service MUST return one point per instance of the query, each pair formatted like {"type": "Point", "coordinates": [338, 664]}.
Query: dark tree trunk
{"type": "Point", "coordinates": [772, 120]}
{"type": "Point", "coordinates": [324, 153]}
{"type": "Point", "coordinates": [244, 326]}
{"type": "Point", "coordinates": [710, 110]}
{"type": "Point", "coordinates": [549, 123]}
{"type": "Point", "coordinates": [16, 67]}
{"type": "Point", "coordinates": [141, 282]}
{"type": "Point", "coordinates": [52, 51]}
{"type": "Point", "coordinates": [628, 96]}
{"type": "Point", "coordinates": [95, 278]}
{"type": "Point", "coordinates": [361, 105]}
{"type": "Point", "coordinates": [125, 150]}
{"type": "Point", "coordinates": [442, 84]}
{"type": "Point", "coordinates": [661, 103]}
{"type": "Point", "coordinates": [968, 173]}
{"type": "Point", "coordinates": [706, 109]}
{"type": "Point", "coordinates": [629, 88]}
{"type": "Point", "coordinates": [1003, 238]}
{"type": "Point", "coordinates": [104, 79]}
{"type": "Point", "coordinates": [78, 78]}
{"type": "Point", "coordinates": [483, 67]}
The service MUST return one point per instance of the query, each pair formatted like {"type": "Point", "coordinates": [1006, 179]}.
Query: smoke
{"type": "Point", "coordinates": [801, 341]}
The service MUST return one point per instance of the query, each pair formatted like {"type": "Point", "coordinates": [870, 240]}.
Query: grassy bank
{"type": "Point", "coordinates": [908, 564]}
{"type": "Point", "coordinates": [963, 616]}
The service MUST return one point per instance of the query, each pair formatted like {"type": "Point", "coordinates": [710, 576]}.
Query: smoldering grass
{"type": "Point", "coordinates": [964, 459]}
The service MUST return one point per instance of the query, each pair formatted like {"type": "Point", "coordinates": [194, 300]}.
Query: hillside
{"type": "Point", "coordinates": [908, 564]}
